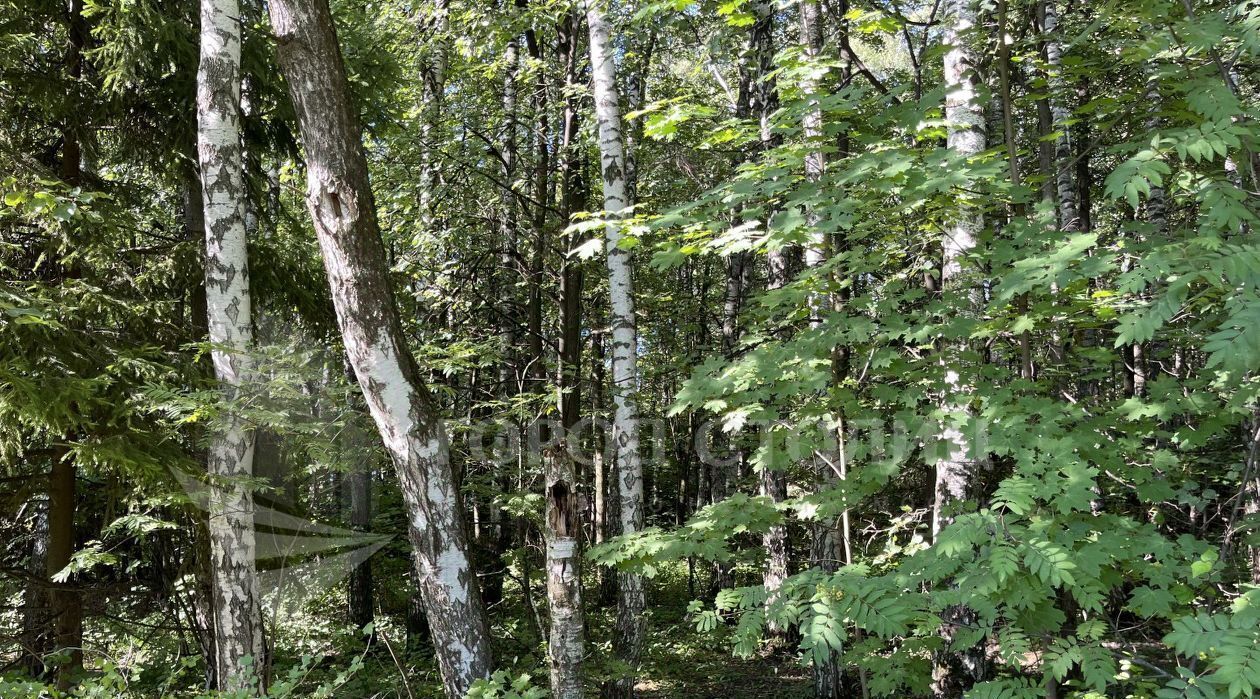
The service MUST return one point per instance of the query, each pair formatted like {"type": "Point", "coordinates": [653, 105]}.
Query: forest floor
{"type": "Point", "coordinates": [725, 677]}
{"type": "Point", "coordinates": [682, 662]}
{"type": "Point", "coordinates": [318, 650]}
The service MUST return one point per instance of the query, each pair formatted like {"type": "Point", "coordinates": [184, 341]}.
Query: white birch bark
{"type": "Point", "coordinates": [630, 603]}
{"type": "Point", "coordinates": [565, 645]}
{"type": "Point", "coordinates": [1065, 187]}
{"type": "Point", "coordinates": [826, 548]}
{"type": "Point", "coordinates": [237, 611]}
{"type": "Point", "coordinates": [956, 670]}
{"type": "Point", "coordinates": [965, 116]}
{"type": "Point", "coordinates": [811, 123]}
{"type": "Point", "coordinates": [339, 197]}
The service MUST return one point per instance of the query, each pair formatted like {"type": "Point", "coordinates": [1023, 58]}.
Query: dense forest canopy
{"type": "Point", "coordinates": [678, 348]}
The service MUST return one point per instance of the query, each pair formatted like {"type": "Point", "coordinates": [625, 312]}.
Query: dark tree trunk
{"type": "Point", "coordinates": [66, 600]}
{"type": "Point", "coordinates": [35, 640]}
{"type": "Point", "coordinates": [359, 486]}
{"type": "Point", "coordinates": [563, 524]}
{"type": "Point", "coordinates": [71, 148]}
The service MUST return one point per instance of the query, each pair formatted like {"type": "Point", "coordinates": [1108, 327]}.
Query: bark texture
{"type": "Point", "coordinates": [339, 197]}
{"type": "Point", "coordinates": [825, 546]}
{"type": "Point", "coordinates": [360, 597]}
{"type": "Point", "coordinates": [562, 531]}
{"type": "Point", "coordinates": [966, 138]}
{"type": "Point", "coordinates": [237, 610]}
{"type": "Point", "coordinates": [957, 669]}
{"type": "Point", "coordinates": [433, 80]}
{"type": "Point", "coordinates": [1065, 188]}
{"type": "Point", "coordinates": [783, 263]}
{"type": "Point", "coordinates": [67, 602]}
{"type": "Point", "coordinates": [564, 582]}
{"type": "Point", "coordinates": [35, 638]}
{"type": "Point", "coordinates": [630, 603]}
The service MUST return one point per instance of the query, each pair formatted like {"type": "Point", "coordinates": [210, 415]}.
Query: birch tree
{"type": "Point", "coordinates": [340, 201]}
{"type": "Point", "coordinates": [563, 520]}
{"type": "Point", "coordinates": [1065, 187]}
{"type": "Point", "coordinates": [826, 549]}
{"type": "Point", "coordinates": [237, 614]}
{"type": "Point", "coordinates": [630, 602]}
{"type": "Point", "coordinates": [433, 86]}
{"type": "Point", "coordinates": [965, 117]}
{"type": "Point", "coordinates": [782, 263]}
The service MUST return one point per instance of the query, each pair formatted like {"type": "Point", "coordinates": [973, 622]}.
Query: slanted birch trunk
{"type": "Point", "coordinates": [957, 670]}
{"type": "Point", "coordinates": [339, 197]}
{"type": "Point", "coordinates": [625, 375]}
{"type": "Point", "coordinates": [237, 610]}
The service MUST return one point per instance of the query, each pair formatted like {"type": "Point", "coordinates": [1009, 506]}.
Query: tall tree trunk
{"type": "Point", "coordinates": [535, 371]}
{"type": "Point", "coordinates": [966, 138]}
{"type": "Point", "coordinates": [237, 609]}
{"type": "Point", "coordinates": [625, 374]}
{"type": "Point", "coordinates": [811, 38]}
{"type": "Point", "coordinates": [636, 93]}
{"type": "Point", "coordinates": [719, 474]}
{"type": "Point", "coordinates": [600, 474]}
{"type": "Point", "coordinates": [35, 638]}
{"type": "Point", "coordinates": [67, 601]}
{"type": "Point", "coordinates": [1045, 118]}
{"type": "Point", "coordinates": [200, 606]}
{"type": "Point", "coordinates": [71, 147]}
{"type": "Point", "coordinates": [497, 539]}
{"type": "Point", "coordinates": [433, 79]}
{"type": "Point", "coordinates": [339, 197]}
{"type": "Point", "coordinates": [826, 549]}
{"type": "Point", "coordinates": [201, 601]}
{"type": "Point", "coordinates": [359, 485]}
{"type": "Point", "coordinates": [1012, 158]}
{"type": "Point", "coordinates": [1060, 114]}
{"type": "Point", "coordinates": [957, 669]}
{"type": "Point", "coordinates": [563, 521]}
{"type": "Point", "coordinates": [607, 488]}
{"type": "Point", "coordinates": [782, 264]}
{"type": "Point", "coordinates": [1133, 356]}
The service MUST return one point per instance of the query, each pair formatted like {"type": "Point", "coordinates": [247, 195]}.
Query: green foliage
{"type": "Point", "coordinates": [1103, 542]}
{"type": "Point", "coordinates": [1229, 641]}
{"type": "Point", "coordinates": [501, 685]}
